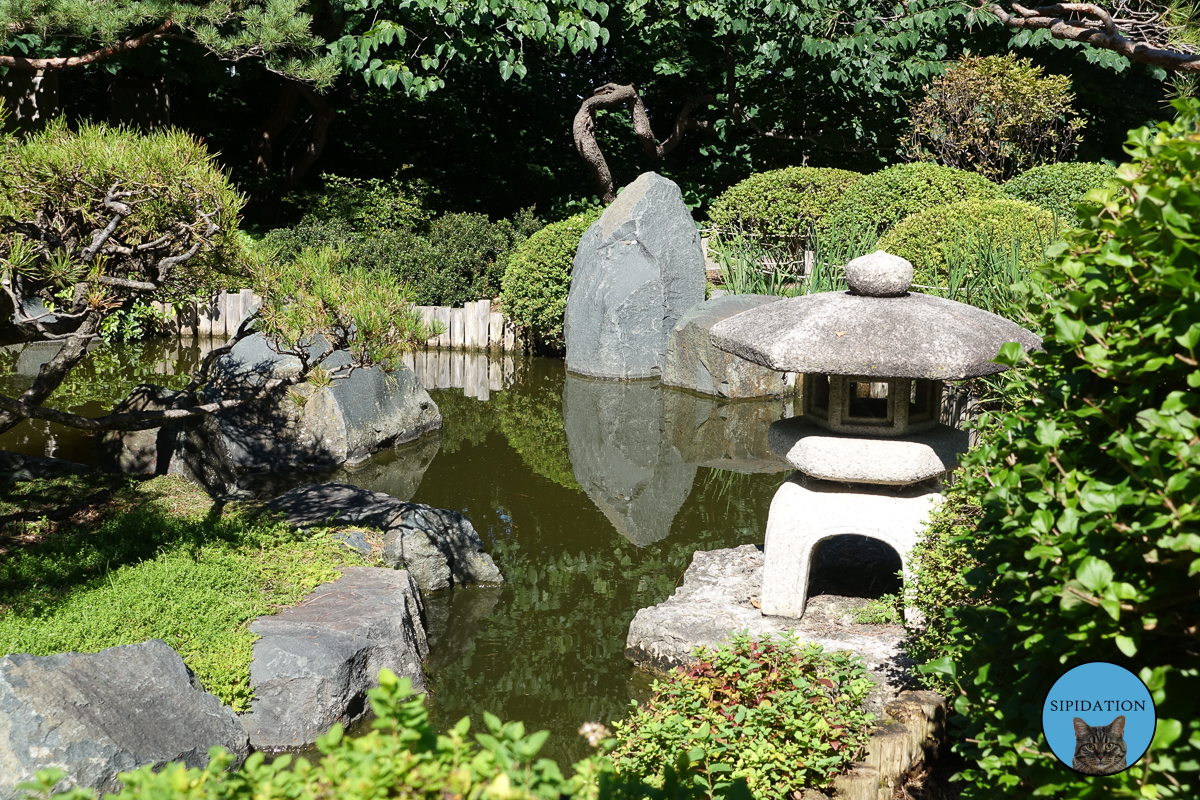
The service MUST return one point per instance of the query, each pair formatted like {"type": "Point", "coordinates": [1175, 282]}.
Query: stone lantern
{"type": "Point", "coordinates": [869, 447]}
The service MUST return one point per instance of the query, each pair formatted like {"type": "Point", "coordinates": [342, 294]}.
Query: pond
{"type": "Point", "coordinates": [590, 495]}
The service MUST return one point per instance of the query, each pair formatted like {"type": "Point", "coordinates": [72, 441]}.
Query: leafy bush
{"type": "Point", "coordinates": [368, 205]}
{"type": "Point", "coordinates": [1089, 494]}
{"type": "Point", "coordinates": [884, 198]}
{"type": "Point", "coordinates": [457, 258]}
{"type": "Point", "coordinates": [538, 278]}
{"type": "Point", "coordinates": [462, 258]}
{"type": "Point", "coordinates": [782, 203]}
{"type": "Point", "coordinates": [936, 239]}
{"type": "Point", "coordinates": [780, 714]}
{"type": "Point", "coordinates": [1059, 188]}
{"type": "Point", "coordinates": [995, 115]}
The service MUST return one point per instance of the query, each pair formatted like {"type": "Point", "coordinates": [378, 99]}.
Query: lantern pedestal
{"type": "Point", "coordinates": [806, 510]}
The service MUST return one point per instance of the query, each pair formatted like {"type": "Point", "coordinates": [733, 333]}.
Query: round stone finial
{"type": "Point", "coordinates": [879, 274]}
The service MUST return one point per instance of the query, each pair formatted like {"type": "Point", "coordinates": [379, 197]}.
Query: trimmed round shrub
{"type": "Point", "coordinates": [533, 293]}
{"type": "Point", "coordinates": [932, 238]}
{"type": "Point", "coordinates": [884, 198]}
{"type": "Point", "coordinates": [1059, 188]}
{"type": "Point", "coordinates": [783, 202]}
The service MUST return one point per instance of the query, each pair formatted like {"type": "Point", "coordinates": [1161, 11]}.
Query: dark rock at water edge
{"type": "Point", "coordinates": [20, 467]}
{"type": "Point", "coordinates": [439, 547]}
{"type": "Point", "coordinates": [636, 271]}
{"type": "Point", "coordinates": [717, 599]}
{"type": "Point", "coordinates": [316, 426]}
{"type": "Point", "coordinates": [193, 449]}
{"type": "Point", "coordinates": [96, 715]}
{"type": "Point", "coordinates": [693, 363]}
{"type": "Point", "coordinates": [315, 661]}
{"type": "Point", "coordinates": [621, 455]}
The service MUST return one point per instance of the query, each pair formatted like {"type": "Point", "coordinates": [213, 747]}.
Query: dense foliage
{"type": "Point", "coordinates": [119, 560]}
{"type": "Point", "coordinates": [1089, 526]}
{"type": "Point", "coordinates": [785, 203]}
{"type": "Point", "coordinates": [779, 714]}
{"type": "Point", "coordinates": [995, 115]}
{"type": "Point", "coordinates": [535, 285]}
{"type": "Point", "coordinates": [884, 198]}
{"type": "Point", "coordinates": [1060, 188]}
{"type": "Point", "coordinates": [938, 238]}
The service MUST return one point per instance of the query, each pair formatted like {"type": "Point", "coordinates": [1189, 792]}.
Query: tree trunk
{"type": "Point", "coordinates": [30, 98]}
{"type": "Point", "coordinates": [53, 372]}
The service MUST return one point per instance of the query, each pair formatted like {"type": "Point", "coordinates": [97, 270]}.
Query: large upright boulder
{"type": "Point", "coordinates": [95, 715]}
{"type": "Point", "coordinates": [317, 426]}
{"type": "Point", "coordinates": [637, 270]}
{"type": "Point", "coordinates": [693, 363]}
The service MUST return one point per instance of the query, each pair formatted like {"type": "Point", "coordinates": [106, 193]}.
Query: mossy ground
{"type": "Point", "coordinates": [89, 562]}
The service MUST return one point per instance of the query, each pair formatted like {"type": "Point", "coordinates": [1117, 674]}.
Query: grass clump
{"type": "Point", "coordinates": [779, 714]}
{"type": "Point", "coordinates": [92, 562]}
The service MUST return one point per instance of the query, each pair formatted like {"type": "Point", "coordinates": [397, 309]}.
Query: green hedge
{"type": "Point", "coordinates": [782, 203]}
{"type": "Point", "coordinates": [1059, 188]}
{"type": "Point", "coordinates": [884, 198]}
{"type": "Point", "coordinates": [1090, 519]}
{"type": "Point", "coordinates": [936, 237]}
{"type": "Point", "coordinates": [535, 285]}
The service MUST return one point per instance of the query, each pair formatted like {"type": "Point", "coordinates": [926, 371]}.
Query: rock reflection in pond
{"type": "Point", "coordinates": [729, 436]}
{"type": "Point", "coordinates": [622, 457]}
{"type": "Point", "coordinates": [453, 620]}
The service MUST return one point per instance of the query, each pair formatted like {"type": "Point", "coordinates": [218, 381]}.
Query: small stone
{"type": "Point", "coordinates": [879, 274]}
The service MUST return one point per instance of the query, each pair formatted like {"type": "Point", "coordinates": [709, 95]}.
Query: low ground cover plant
{"type": "Point", "coordinates": [95, 561]}
{"type": "Point", "coordinates": [779, 714]}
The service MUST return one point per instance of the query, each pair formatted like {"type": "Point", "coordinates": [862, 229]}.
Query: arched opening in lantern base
{"type": "Point", "coordinates": [852, 565]}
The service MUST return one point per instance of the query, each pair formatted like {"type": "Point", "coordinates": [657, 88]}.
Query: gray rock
{"type": "Point", "coordinates": [315, 661]}
{"type": "Point", "coordinates": [194, 449]}
{"type": "Point", "coordinates": [717, 599]}
{"type": "Point", "coordinates": [99, 714]}
{"type": "Point", "coordinates": [862, 459]}
{"type": "Point", "coordinates": [20, 467]}
{"type": "Point", "coordinates": [693, 363]}
{"type": "Point", "coordinates": [879, 274]}
{"type": "Point", "coordinates": [837, 333]}
{"type": "Point", "coordinates": [316, 426]}
{"type": "Point", "coordinates": [621, 455]}
{"type": "Point", "coordinates": [637, 270]}
{"type": "Point", "coordinates": [729, 436]}
{"type": "Point", "coordinates": [439, 547]}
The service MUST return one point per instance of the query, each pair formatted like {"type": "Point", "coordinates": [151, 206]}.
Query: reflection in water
{"type": "Point", "coordinates": [621, 457]}
{"type": "Point", "coordinates": [728, 436]}
{"type": "Point", "coordinates": [548, 647]}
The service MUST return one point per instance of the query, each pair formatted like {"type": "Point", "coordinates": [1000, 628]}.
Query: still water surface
{"type": "Point", "coordinates": [591, 496]}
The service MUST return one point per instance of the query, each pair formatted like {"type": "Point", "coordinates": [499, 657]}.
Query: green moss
{"type": "Point", "coordinates": [781, 203]}
{"type": "Point", "coordinates": [94, 562]}
{"type": "Point", "coordinates": [935, 238]}
{"type": "Point", "coordinates": [1059, 188]}
{"type": "Point", "coordinates": [884, 198]}
{"type": "Point", "coordinates": [538, 277]}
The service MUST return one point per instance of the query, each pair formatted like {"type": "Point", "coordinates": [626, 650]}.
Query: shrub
{"type": "Point", "coordinates": [936, 238]}
{"type": "Point", "coordinates": [783, 203]}
{"type": "Point", "coordinates": [1059, 188]}
{"type": "Point", "coordinates": [995, 115]}
{"type": "Point", "coordinates": [535, 285]}
{"type": "Point", "coordinates": [1089, 494]}
{"type": "Point", "coordinates": [884, 198]}
{"type": "Point", "coordinates": [368, 205]}
{"type": "Point", "coordinates": [780, 714]}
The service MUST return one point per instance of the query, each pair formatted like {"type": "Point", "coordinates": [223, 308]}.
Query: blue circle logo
{"type": "Point", "coordinates": [1099, 718]}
